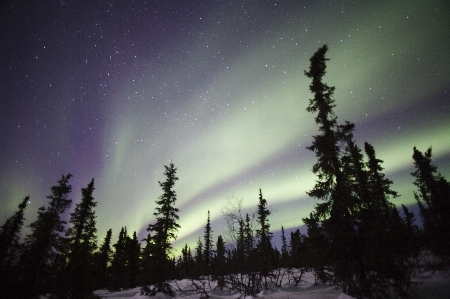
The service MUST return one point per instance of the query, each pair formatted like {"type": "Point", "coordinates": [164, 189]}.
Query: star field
{"type": "Point", "coordinates": [113, 90]}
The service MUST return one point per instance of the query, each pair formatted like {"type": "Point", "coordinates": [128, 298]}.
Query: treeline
{"type": "Point", "coordinates": [63, 259]}
{"type": "Point", "coordinates": [356, 237]}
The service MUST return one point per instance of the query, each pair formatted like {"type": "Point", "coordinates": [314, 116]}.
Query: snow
{"type": "Point", "coordinates": [345, 296]}
{"type": "Point", "coordinates": [431, 286]}
{"type": "Point", "coordinates": [305, 290]}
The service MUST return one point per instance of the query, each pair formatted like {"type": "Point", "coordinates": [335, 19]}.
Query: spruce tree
{"type": "Point", "coordinates": [10, 235]}
{"type": "Point", "coordinates": [10, 250]}
{"type": "Point", "coordinates": [79, 279]}
{"type": "Point", "coordinates": [248, 240]}
{"type": "Point", "coordinates": [336, 212]}
{"type": "Point", "coordinates": [220, 263]}
{"type": "Point", "coordinates": [284, 249]}
{"type": "Point", "coordinates": [208, 248]}
{"type": "Point", "coordinates": [134, 250]}
{"type": "Point", "coordinates": [103, 260]}
{"type": "Point", "coordinates": [264, 236]}
{"type": "Point", "coordinates": [41, 261]}
{"type": "Point", "coordinates": [318, 253]}
{"type": "Point", "coordinates": [351, 233]}
{"type": "Point", "coordinates": [433, 198]}
{"type": "Point", "coordinates": [199, 259]}
{"type": "Point", "coordinates": [119, 266]}
{"type": "Point", "coordinates": [146, 268]}
{"type": "Point", "coordinates": [164, 231]}
{"type": "Point", "coordinates": [186, 264]}
{"type": "Point", "coordinates": [298, 257]}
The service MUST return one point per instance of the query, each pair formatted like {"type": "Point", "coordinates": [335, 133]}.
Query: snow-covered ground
{"type": "Point", "coordinates": [435, 286]}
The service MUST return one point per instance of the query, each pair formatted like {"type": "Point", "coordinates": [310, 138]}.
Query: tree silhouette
{"type": "Point", "coordinates": [164, 232]}
{"type": "Point", "coordinates": [208, 248]}
{"type": "Point", "coordinates": [9, 250]}
{"type": "Point", "coordinates": [198, 258]}
{"type": "Point", "coordinates": [41, 260]}
{"type": "Point", "coordinates": [79, 279]}
{"type": "Point", "coordinates": [103, 260]}
{"type": "Point", "coordinates": [220, 263]}
{"type": "Point", "coordinates": [119, 264]}
{"type": "Point", "coordinates": [10, 234]}
{"type": "Point", "coordinates": [433, 198]}
{"type": "Point", "coordinates": [352, 232]}
{"type": "Point", "coordinates": [134, 251]}
{"type": "Point", "coordinates": [263, 234]}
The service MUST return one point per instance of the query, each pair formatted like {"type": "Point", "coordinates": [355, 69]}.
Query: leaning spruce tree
{"type": "Point", "coordinates": [355, 217]}
{"type": "Point", "coordinates": [164, 231]}
{"type": "Point", "coordinates": [334, 216]}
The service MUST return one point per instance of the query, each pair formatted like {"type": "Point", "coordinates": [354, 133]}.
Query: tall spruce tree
{"type": "Point", "coordinates": [264, 237]}
{"type": "Point", "coordinates": [356, 217]}
{"type": "Point", "coordinates": [208, 252]}
{"type": "Point", "coordinates": [41, 260]}
{"type": "Point", "coordinates": [164, 232]}
{"type": "Point", "coordinates": [433, 198]}
{"type": "Point", "coordinates": [79, 279]}
{"type": "Point", "coordinates": [336, 212]}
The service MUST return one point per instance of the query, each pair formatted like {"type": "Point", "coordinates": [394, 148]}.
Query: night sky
{"type": "Point", "coordinates": [114, 90]}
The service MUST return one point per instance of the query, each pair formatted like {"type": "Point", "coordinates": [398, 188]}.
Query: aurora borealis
{"type": "Point", "coordinates": [113, 90]}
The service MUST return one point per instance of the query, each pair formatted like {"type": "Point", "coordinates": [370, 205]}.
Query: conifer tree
{"type": "Point", "coordinates": [199, 258]}
{"type": "Point", "coordinates": [103, 260]}
{"type": "Point", "coordinates": [239, 253]}
{"type": "Point", "coordinates": [164, 232]}
{"type": "Point", "coordinates": [262, 218]}
{"type": "Point", "coordinates": [79, 279]}
{"type": "Point", "coordinates": [186, 263]}
{"type": "Point", "coordinates": [119, 265]}
{"type": "Point", "coordinates": [41, 259]}
{"type": "Point", "coordinates": [10, 234]}
{"type": "Point", "coordinates": [9, 250]}
{"type": "Point", "coordinates": [284, 249]}
{"type": "Point", "coordinates": [264, 235]}
{"type": "Point", "coordinates": [336, 212]}
{"type": "Point", "coordinates": [318, 255]}
{"type": "Point", "coordinates": [331, 185]}
{"type": "Point", "coordinates": [220, 263]}
{"type": "Point", "coordinates": [146, 268]}
{"type": "Point", "coordinates": [351, 233]}
{"type": "Point", "coordinates": [208, 248]}
{"type": "Point", "coordinates": [134, 250]}
{"type": "Point", "coordinates": [248, 239]}
{"type": "Point", "coordinates": [433, 198]}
